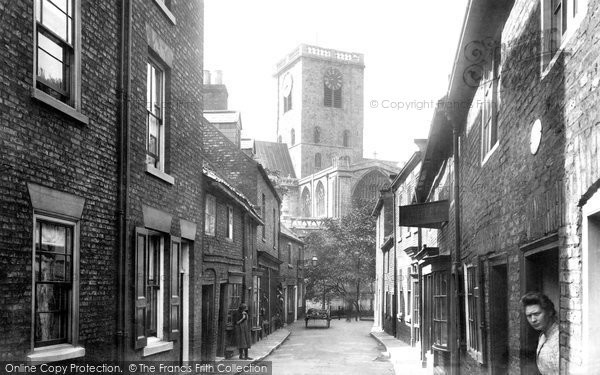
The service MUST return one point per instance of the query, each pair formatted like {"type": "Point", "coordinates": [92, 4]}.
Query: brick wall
{"type": "Point", "coordinates": [43, 146]}
{"type": "Point", "coordinates": [516, 197]}
{"type": "Point", "coordinates": [183, 135]}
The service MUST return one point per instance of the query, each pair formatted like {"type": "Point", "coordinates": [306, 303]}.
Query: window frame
{"type": "Point", "coordinates": [229, 222]}
{"type": "Point", "coordinates": [263, 209]}
{"type": "Point", "coordinates": [473, 312]}
{"type": "Point", "coordinates": [210, 216]}
{"type": "Point", "coordinates": [488, 113]}
{"type": "Point", "coordinates": [72, 105]}
{"type": "Point", "coordinates": [332, 98]}
{"type": "Point", "coordinates": [317, 135]}
{"type": "Point", "coordinates": [571, 15]}
{"type": "Point", "coordinates": [153, 63]}
{"type": "Point", "coordinates": [287, 102]}
{"type": "Point", "coordinates": [72, 334]}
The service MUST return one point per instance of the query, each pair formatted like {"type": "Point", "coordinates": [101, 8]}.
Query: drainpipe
{"type": "Point", "coordinates": [123, 180]}
{"type": "Point", "coordinates": [457, 242]}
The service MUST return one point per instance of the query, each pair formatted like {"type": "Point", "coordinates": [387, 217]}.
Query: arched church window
{"type": "Point", "coordinates": [320, 196]}
{"type": "Point", "coordinates": [317, 135]}
{"type": "Point", "coordinates": [293, 137]}
{"type": "Point", "coordinates": [346, 138]}
{"type": "Point", "coordinates": [317, 161]}
{"type": "Point", "coordinates": [306, 203]}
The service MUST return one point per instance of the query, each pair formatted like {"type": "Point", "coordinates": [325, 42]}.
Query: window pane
{"type": "Point", "coordinates": [51, 312]}
{"type": "Point", "coordinates": [50, 71]}
{"type": "Point", "coordinates": [55, 20]}
{"type": "Point", "coordinates": [52, 267]}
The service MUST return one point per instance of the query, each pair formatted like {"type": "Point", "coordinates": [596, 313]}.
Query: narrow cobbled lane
{"type": "Point", "coordinates": [344, 348]}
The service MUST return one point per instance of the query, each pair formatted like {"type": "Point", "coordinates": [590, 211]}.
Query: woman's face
{"type": "Point", "coordinates": [537, 317]}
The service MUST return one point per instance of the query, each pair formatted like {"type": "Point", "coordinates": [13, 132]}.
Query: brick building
{"type": "Point", "coordinates": [509, 178]}
{"type": "Point", "coordinates": [291, 271]}
{"type": "Point", "coordinates": [163, 206]}
{"type": "Point", "coordinates": [58, 182]}
{"type": "Point", "coordinates": [97, 186]}
{"type": "Point", "coordinates": [228, 254]}
{"type": "Point", "coordinates": [250, 178]}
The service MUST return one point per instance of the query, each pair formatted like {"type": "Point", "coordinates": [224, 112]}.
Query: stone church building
{"type": "Point", "coordinates": [318, 156]}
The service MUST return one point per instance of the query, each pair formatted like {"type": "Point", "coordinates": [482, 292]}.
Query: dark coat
{"type": "Point", "coordinates": [241, 331]}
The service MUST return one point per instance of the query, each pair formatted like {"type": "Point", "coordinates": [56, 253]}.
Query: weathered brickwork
{"type": "Point", "coordinates": [153, 34]}
{"type": "Point", "coordinates": [514, 197]}
{"type": "Point", "coordinates": [43, 146]}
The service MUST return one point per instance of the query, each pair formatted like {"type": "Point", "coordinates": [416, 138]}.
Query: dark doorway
{"type": "Point", "coordinates": [498, 293]}
{"type": "Point", "coordinates": [541, 275]}
{"type": "Point", "coordinates": [222, 321]}
{"type": "Point", "coordinates": [207, 322]}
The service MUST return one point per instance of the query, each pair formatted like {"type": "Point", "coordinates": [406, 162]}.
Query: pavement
{"type": "Point", "coordinates": [259, 350]}
{"type": "Point", "coordinates": [345, 348]}
{"type": "Point", "coordinates": [405, 358]}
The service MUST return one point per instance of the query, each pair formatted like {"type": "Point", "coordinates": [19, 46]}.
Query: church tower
{"type": "Point", "coordinates": [320, 107]}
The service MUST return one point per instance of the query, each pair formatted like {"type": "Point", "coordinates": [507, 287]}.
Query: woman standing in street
{"type": "Point", "coordinates": [242, 331]}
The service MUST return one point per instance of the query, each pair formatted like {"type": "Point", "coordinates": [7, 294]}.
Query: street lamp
{"type": "Point", "coordinates": [314, 261]}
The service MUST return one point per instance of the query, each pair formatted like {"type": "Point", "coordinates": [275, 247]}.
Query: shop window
{"type": "Point", "coordinates": [440, 309]}
{"type": "Point", "coordinates": [234, 299]}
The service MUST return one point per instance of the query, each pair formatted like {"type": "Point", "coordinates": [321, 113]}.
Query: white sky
{"type": "Point", "coordinates": [409, 47]}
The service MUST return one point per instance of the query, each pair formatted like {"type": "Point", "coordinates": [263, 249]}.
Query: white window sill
{"type": "Point", "coordinates": [155, 346]}
{"type": "Point", "coordinates": [166, 11]}
{"type": "Point", "coordinates": [160, 174]}
{"type": "Point", "coordinates": [55, 353]}
{"type": "Point", "coordinates": [58, 105]}
{"type": "Point", "coordinates": [489, 154]}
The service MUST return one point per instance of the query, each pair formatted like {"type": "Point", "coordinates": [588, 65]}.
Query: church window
{"type": "Point", "coordinates": [306, 203]}
{"type": "Point", "coordinates": [346, 138]}
{"type": "Point", "coordinates": [317, 161]}
{"type": "Point", "coordinates": [317, 135]}
{"type": "Point", "coordinates": [320, 196]}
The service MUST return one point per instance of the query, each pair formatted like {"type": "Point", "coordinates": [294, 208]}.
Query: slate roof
{"type": "Point", "coordinates": [275, 157]}
{"type": "Point", "coordinates": [288, 233]}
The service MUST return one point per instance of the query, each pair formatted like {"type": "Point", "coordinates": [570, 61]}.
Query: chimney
{"type": "Point", "coordinates": [217, 76]}
{"type": "Point", "coordinates": [215, 92]}
{"type": "Point", "coordinates": [206, 77]}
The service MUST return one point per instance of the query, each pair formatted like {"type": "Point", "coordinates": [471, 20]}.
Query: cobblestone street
{"type": "Point", "coordinates": [344, 348]}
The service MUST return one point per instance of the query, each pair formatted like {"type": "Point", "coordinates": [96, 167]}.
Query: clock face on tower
{"type": "Point", "coordinates": [287, 84]}
{"type": "Point", "coordinates": [333, 79]}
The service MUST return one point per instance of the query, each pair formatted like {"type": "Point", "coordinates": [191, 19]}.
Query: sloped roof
{"type": "Point", "coordinates": [275, 157]}
{"type": "Point", "coordinates": [222, 116]}
{"type": "Point", "coordinates": [290, 234]}
{"type": "Point", "coordinates": [230, 190]}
